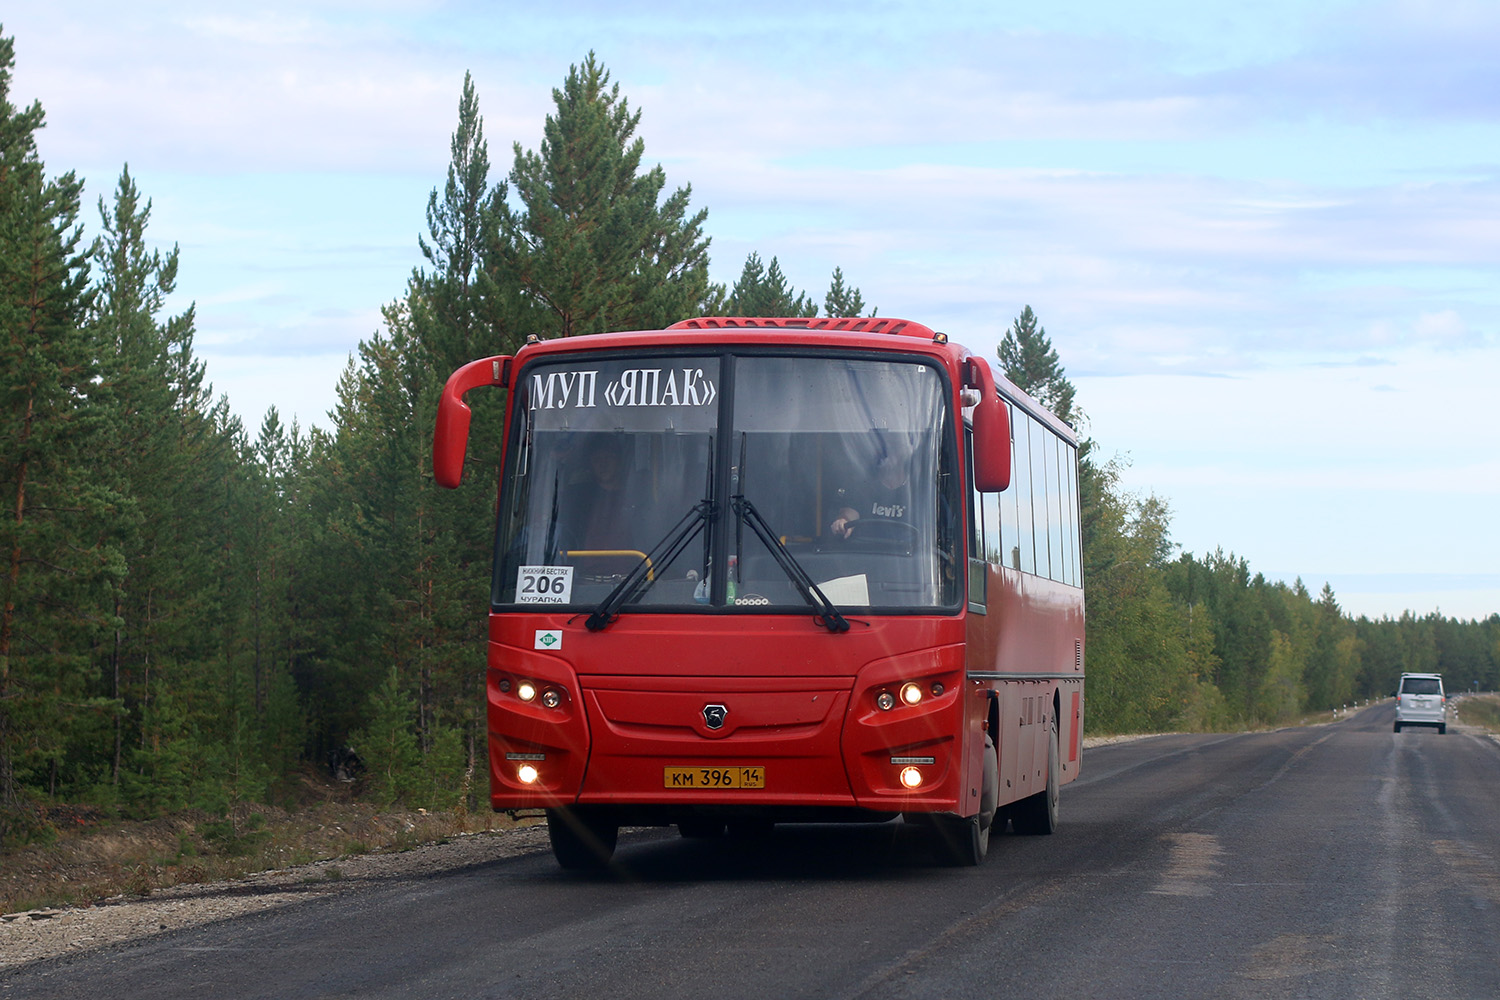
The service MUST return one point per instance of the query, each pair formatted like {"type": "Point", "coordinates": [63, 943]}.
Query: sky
{"type": "Point", "coordinates": [1263, 238]}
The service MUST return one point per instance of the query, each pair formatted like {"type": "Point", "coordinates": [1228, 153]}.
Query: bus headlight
{"type": "Point", "coordinates": [911, 693]}
{"type": "Point", "coordinates": [911, 777]}
{"type": "Point", "coordinates": [551, 698]}
{"type": "Point", "coordinates": [885, 701]}
{"type": "Point", "coordinates": [528, 774]}
{"type": "Point", "coordinates": [526, 691]}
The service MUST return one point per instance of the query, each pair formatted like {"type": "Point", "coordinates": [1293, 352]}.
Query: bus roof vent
{"type": "Point", "coordinates": [831, 324]}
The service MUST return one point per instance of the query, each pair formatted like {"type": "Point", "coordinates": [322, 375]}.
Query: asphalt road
{"type": "Point", "coordinates": [1331, 861]}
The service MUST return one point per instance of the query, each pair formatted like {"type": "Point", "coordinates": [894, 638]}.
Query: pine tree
{"type": "Point", "coordinates": [1029, 360]}
{"type": "Point", "coordinates": [764, 291]}
{"type": "Point", "coordinates": [56, 572]}
{"type": "Point", "coordinates": [279, 456]}
{"type": "Point", "coordinates": [842, 300]}
{"type": "Point", "coordinates": [161, 437]}
{"type": "Point", "coordinates": [452, 315]}
{"type": "Point", "coordinates": [459, 310]}
{"type": "Point", "coordinates": [1334, 660]}
{"type": "Point", "coordinates": [387, 745]}
{"type": "Point", "coordinates": [291, 620]}
{"type": "Point", "coordinates": [591, 244]}
{"type": "Point", "coordinates": [301, 624]}
{"type": "Point", "coordinates": [419, 555]}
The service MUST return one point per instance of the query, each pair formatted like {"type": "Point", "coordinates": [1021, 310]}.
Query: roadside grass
{"type": "Point", "coordinates": [1481, 710]}
{"type": "Point", "coordinates": [1338, 714]}
{"type": "Point", "coordinates": [98, 860]}
{"type": "Point", "coordinates": [1238, 725]}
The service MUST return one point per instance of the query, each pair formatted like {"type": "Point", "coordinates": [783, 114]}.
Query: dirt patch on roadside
{"type": "Point", "coordinates": [50, 932]}
{"type": "Point", "coordinates": [87, 863]}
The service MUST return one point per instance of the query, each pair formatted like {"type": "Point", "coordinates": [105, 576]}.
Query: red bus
{"type": "Point", "coordinates": [759, 571]}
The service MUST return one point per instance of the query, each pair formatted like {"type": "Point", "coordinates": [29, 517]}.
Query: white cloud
{"type": "Point", "coordinates": [1443, 328]}
{"type": "Point", "coordinates": [263, 29]}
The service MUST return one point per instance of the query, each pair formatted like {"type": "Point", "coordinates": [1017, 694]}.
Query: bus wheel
{"type": "Point", "coordinates": [581, 841]}
{"type": "Point", "coordinates": [1037, 814]}
{"type": "Point", "coordinates": [963, 841]}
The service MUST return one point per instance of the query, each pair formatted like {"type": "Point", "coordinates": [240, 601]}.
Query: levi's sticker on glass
{"type": "Point", "coordinates": [544, 585]}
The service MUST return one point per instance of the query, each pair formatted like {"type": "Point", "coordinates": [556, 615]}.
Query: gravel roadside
{"type": "Point", "coordinates": [51, 933]}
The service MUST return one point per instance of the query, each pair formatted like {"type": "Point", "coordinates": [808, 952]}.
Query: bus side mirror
{"type": "Point", "coordinates": [450, 440]}
{"type": "Point", "coordinates": [991, 431]}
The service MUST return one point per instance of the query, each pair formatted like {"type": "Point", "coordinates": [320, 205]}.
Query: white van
{"type": "Point", "coordinates": [1420, 702]}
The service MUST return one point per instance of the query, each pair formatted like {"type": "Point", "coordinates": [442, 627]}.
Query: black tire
{"type": "Point", "coordinates": [581, 841]}
{"type": "Point", "coordinates": [1442, 728]}
{"type": "Point", "coordinates": [1038, 814]}
{"type": "Point", "coordinates": [1398, 727]}
{"type": "Point", "coordinates": [989, 794]}
{"type": "Point", "coordinates": [963, 841]}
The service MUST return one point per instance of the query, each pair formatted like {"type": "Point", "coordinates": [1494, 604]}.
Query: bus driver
{"type": "Point", "coordinates": [606, 513]}
{"type": "Point", "coordinates": [885, 495]}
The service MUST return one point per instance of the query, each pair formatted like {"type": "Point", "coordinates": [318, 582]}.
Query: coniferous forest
{"type": "Point", "coordinates": [194, 611]}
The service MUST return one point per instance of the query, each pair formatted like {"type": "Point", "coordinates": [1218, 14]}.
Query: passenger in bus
{"type": "Point", "coordinates": [886, 494]}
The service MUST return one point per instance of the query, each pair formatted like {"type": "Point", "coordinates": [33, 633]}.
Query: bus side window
{"type": "Point", "coordinates": [1070, 511]}
{"type": "Point", "coordinates": [1025, 557]}
{"type": "Point", "coordinates": [1077, 523]}
{"type": "Point", "coordinates": [1039, 436]}
{"type": "Point", "coordinates": [1064, 455]}
{"type": "Point", "coordinates": [1009, 552]}
{"type": "Point", "coordinates": [1055, 505]}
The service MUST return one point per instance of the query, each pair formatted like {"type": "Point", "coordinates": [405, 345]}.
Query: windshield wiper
{"type": "Point", "coordinates": [639, 579]}
{"type": "Point", "coordinates": [745, 513]}
{"type": "Point", "coordinates": [828, 615]}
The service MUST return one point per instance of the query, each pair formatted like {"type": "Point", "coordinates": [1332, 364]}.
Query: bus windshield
{"type": "Point", "coordinates": [847, 462]}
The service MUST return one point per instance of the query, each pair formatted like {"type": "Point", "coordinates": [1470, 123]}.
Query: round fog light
{"type": "Point", "coordinates": [911, 777]}
{"type": "Point", "coordinates": [526, 691]}
{"type": "Point", "coordinates": [885, 701]}
{"type": "Point", "coordinates": [528, 774]}
{"type": "Point", "coordinates": [551, 698]}
{"type": "Point", "coordinates": [911, 694]}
